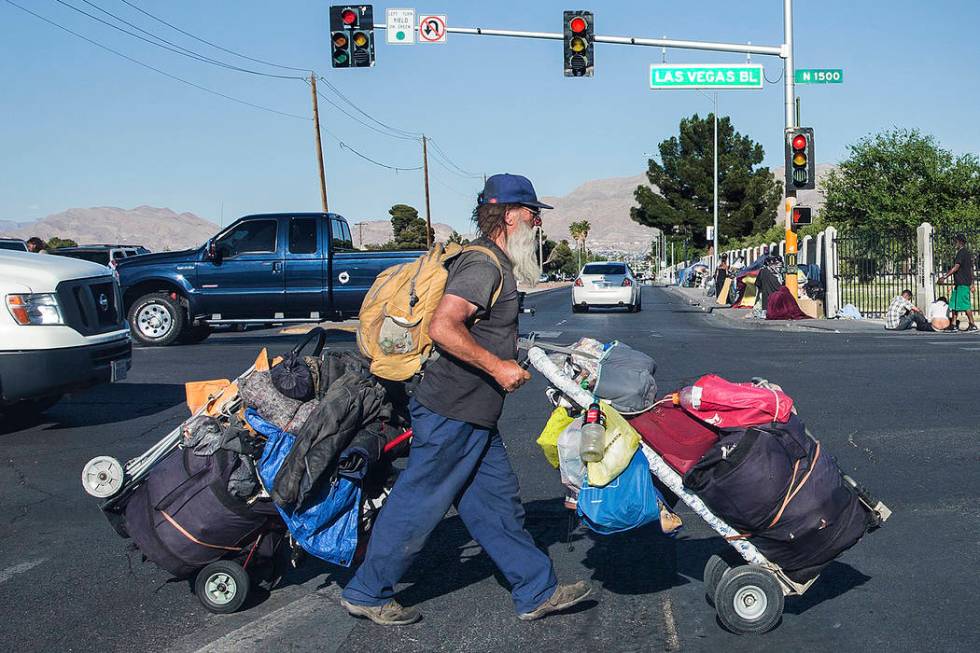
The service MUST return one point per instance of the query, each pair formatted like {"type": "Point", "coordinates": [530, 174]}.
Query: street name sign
{"type": "Point", "coordinates": [400, 26]}
{"type": "Point", "coordinates": [432, 29]}
{"type": "Point", "coordinates": [706, 76]}
{"type": "Point", "coordinates": [819, 76]}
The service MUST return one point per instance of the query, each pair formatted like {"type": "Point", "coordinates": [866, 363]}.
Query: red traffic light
{"type": "Point", "coordinates": [578, 25]}
{"type": "Point", "coordinates": [349, 16]}
{"type": "Point", "coordinates": [799, 142]}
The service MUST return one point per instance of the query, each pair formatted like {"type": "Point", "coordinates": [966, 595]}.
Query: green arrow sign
{"type": "Point", "coordinates": [819, 76]}
{"type": "Point", "coordinates": [706, 76]}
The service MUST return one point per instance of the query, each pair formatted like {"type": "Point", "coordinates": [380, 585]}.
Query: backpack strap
{"type": "Point", "coordinates": [493, 257]}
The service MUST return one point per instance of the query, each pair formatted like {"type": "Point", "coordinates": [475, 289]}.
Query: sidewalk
{"type": "Point", "coordinates": [740, 318]}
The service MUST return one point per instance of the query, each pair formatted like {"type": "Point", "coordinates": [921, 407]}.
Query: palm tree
{"type": "Point", "coordinates": [580, 232]}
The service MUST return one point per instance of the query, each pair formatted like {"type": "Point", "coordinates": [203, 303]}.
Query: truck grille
{"type": "Point", "coordinates": [91, 306]}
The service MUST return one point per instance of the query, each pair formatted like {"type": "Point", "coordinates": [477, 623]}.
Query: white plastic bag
{"type": "Point", "coordinates": [569, 461]}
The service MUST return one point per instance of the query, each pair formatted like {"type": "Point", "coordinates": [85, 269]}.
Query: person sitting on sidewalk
{"type": "Point", "coordinates": [962, 273]}
{"type": "Point", "coordinates": [902, 314]}
{"type": "Point", "coordinates": [938, 314]}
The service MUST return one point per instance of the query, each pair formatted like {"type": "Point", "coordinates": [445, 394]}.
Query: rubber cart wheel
{"type": "Point", "coordinates": [102, 477]}
{"type": "Point", "coordinates": [749, 600]}
{"type": "Point", "coordinates": [222, 586]}
{"type": "Point", "coordinates": [714, 569]}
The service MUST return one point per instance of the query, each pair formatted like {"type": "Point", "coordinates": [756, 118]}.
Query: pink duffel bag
{"type": "Point", "coordinates": [726, 405]}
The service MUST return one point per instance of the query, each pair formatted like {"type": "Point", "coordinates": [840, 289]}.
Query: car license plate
{"type": "Point", "coordinates": [118, 371]}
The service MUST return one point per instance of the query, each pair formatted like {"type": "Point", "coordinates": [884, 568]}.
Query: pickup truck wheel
{"type": "Point", "coordinates": [193, 335]}
{"type": "Point", "coordinates": [156, 320]}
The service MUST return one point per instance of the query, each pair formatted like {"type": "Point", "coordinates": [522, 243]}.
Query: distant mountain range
{"type": "Point", "coordinates": [605, 203]}
{"type": "Point", "coordinates": [155, 228]}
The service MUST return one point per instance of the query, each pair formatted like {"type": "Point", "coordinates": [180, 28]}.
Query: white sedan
{"type": "Point", "coordinates": [606, 284]}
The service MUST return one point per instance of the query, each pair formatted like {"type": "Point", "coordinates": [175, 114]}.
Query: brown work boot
{"type": "Point", "coordinates": [391, 613]}
{"type": "Point", "coordinates": [564, 597]}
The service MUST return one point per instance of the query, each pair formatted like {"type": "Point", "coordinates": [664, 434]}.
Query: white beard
{"type": "Point", "coordinates": [522, 252]}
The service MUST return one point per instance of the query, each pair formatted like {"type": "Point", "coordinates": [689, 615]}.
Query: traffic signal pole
{"type": "Point", "coordinates": [784, 51]}
{"type": "Point", "coordinates": [789, 79]}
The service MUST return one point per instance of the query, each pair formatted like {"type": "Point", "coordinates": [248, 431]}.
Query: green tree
{"type": "Point", "coordinates": [457, 238]}
{"type": "Point", "coordinates": [900, 178]}
{"type": "Point", "coordinates": [56, 242]}
{"type": "Point", "coordinates": [562, 259]}
{"type": "Point", "coordinates": [748, 194]}
{"type": "Point", "coordinates": [408, 228]}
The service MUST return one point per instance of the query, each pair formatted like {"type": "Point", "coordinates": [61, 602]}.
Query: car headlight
{"type": "Point", "coordinates": [39, 308]}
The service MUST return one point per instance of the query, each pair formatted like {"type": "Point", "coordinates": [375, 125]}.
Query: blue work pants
{"type": "Point", "coordinates": [453, 462]}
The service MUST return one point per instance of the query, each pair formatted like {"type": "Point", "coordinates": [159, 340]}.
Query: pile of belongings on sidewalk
{"type": "Point", "coordinates": [314, 438]}
{"type": "Point", "coordinates": [740, 447]}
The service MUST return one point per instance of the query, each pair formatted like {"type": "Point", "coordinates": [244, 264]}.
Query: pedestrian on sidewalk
{"type": "Point", "coordinates": [457, 456]}
{"type": "Point", "coordinates": [938, 314]}
{"type": "Point", "coordinates": [721, 274]}
{"type": "Point", "coordinates": [962, 273]}
{"type": "Point", "coordinates": [903, 314]}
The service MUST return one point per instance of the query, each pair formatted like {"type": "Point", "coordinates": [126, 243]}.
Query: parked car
{"type": "Point", "coordinates": [13, 244]}
{"type": "Point", "coordinates": [606, 284]}
{"type": "Point", "coordinates": [62, 329]}
{"type": "Point", "coordinates": [108, 255]}
{"type": "Point", "coordinates": [274, 268]}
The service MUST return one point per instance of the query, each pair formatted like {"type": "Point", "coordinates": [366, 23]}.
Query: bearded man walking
{"type": "Point", "coordinates": [457, 456]}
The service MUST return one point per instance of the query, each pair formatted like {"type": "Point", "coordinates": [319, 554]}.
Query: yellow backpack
{"type": "Point", "coordinates": [394, 319]}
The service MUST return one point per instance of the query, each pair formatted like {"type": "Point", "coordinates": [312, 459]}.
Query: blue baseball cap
{"type": "Point", "coordinates": [510, 189]}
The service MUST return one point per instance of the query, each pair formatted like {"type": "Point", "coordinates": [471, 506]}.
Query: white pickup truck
{"type": "Point", "coordinates": [61, 329]}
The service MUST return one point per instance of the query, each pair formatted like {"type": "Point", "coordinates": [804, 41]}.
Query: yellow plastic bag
{"type": "Point", "coordinates": [622, 441]}
{"type": "Point", "coordinates": [548, 440]}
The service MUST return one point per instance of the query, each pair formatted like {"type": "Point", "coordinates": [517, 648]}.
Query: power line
{"type": "Point", "coordinates": [471, 196]}
{"type": "Point", "coordinates": [345, 146]}
{"type": "Point", "coordinates": [358, 120]}
{"type": "Point", "coordinates": [154, 68]}
{"type": "Point", "coordinates": [366, 114]}
{"type": "Point", "coordinates": [206, 42]}
{"type": "Point", "coordinates": [462, 172]}
{"type": "Point", "coordinates": [167, 45]}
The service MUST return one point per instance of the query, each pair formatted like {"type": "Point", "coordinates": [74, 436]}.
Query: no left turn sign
{"type": "Point", "coordinates": [432, 29]}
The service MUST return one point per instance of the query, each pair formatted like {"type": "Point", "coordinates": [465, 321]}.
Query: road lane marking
{"type": "Point", "coordinates": [10, 572]}
{"type": "Point", "coordinates": [970, 348]}
{"type": "Point", "coordinates": [673, 640]}
{"type": "Point", "coordinates": [308, 613]}
{"type": "Point", "coordinates": [561, 323]}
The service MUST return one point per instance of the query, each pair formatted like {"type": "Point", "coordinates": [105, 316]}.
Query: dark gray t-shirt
{"type": "Point", "coordinates": [451, 387]}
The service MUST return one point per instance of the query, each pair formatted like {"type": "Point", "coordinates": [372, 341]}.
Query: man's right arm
{"type": "Point", "coordinates": [449, 329]}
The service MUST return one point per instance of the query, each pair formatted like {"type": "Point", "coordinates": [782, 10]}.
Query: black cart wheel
{"type": "Point", "coordinates": [714, 569]}
{"type": "Point", "coordinates": [222, 586]}
{"type": "Point", "coordinates": [749, 600]}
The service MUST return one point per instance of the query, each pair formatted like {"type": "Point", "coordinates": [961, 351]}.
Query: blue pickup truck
{"type": "Point", "coordinates": [289, 267]}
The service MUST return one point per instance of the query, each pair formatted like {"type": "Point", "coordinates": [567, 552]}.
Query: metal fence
{"type": "Point", "coordinates": [873, 268]}
{"type": "Point", "coordinates": [943, 253]}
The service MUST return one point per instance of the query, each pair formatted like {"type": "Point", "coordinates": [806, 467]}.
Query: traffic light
{"type": "Point", "coordinates": [801, 172]}
{"type": "Point", "coordinates": [579, 32]}
{"type": "Point", "coordinates": [352, 36]}
{"type": "Point", "coordinates": [802, 215]}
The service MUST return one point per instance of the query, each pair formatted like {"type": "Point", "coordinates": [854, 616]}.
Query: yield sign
{"type": "Point", "coordinates": [432, 29]}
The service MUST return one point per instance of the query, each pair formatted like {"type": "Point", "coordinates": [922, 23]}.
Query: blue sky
{"type": "Point", "coordinates": [83, 127]}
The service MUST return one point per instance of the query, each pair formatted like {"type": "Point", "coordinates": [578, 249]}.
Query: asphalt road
{"type": "Point", "coordinates": [899, 414]}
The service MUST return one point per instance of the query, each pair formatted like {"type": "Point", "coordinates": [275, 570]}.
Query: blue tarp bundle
{"type": "Point", "coordinates": [326, 524]}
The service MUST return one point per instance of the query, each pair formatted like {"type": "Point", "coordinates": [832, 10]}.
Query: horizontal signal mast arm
{"type": "Point", "coordinates": [741, 48]}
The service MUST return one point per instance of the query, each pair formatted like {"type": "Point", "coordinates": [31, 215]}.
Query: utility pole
{"type": "Point", "coordinates": [360, 234]}
{"type": "Point", "coordinates": [428, 214]}
{"type": "Point", "coordinates": [319, 145]}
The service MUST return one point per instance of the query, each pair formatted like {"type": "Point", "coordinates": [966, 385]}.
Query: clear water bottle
{"type": "Point", "coordinates": [688, 398]}
{"type": "Point", "coordinates": [593, 445]}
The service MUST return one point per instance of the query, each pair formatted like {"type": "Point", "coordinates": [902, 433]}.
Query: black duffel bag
{"type": "Point", "coordinates": [786, 495]}
{"type": "Point", "coordinates": [182, 517]}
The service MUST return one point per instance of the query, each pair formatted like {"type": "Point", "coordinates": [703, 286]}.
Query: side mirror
{"type": "Point", "coordinates": [213, 252]}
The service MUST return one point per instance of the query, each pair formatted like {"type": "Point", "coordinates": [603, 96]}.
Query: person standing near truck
{"type": "Point", "coordinates": [457, 456]}
{"type": "Point", "coordinates": [962, 273]}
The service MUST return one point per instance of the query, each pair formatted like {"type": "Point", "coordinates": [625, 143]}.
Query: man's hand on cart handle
{"type": "Point", "coordinates": [509, 375]}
